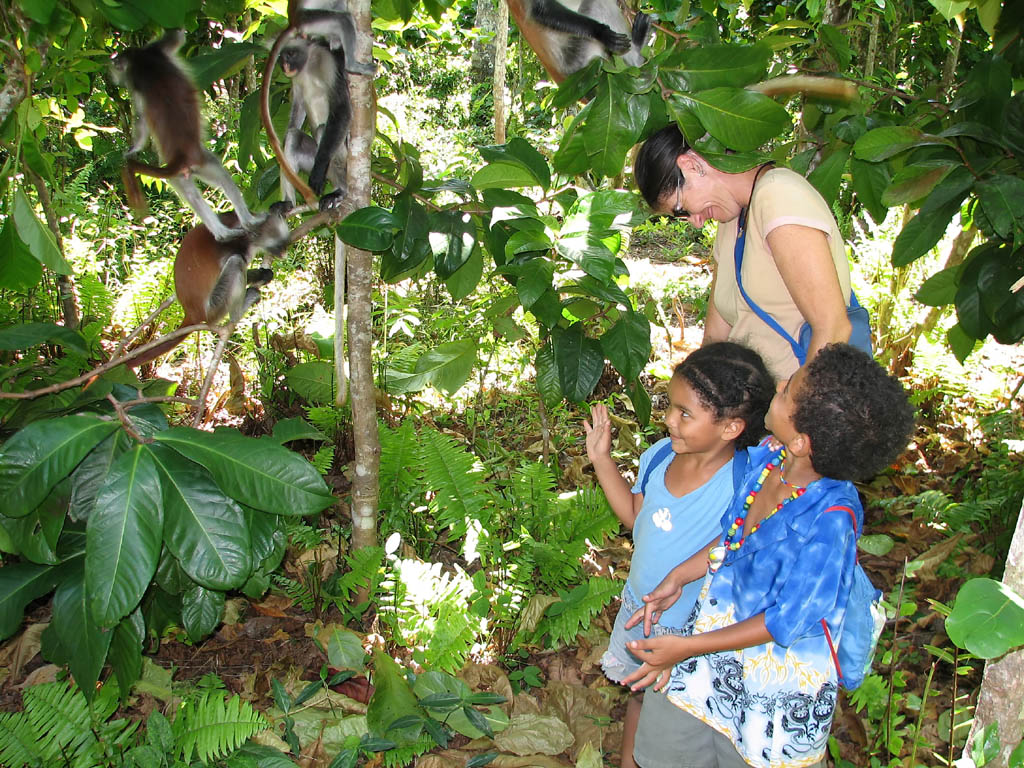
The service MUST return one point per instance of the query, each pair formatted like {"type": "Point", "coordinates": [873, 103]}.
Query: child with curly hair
{"type": "Point", "coordinates": [753, 682]}
{"type": "Point", "coordinates": [718, 397]}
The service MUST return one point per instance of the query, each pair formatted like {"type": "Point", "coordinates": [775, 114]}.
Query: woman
{"type": "Point", "coordinates": [794, 259]}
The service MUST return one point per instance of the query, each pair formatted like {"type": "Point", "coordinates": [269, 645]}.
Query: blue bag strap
{"type": "Point", "coordinates": [656, 460]}
{"type": "Point", "coordinates": [740, 463]}
{"type": "Point", "coordinates": [741, 238]}
{"type": "Point", "coordinates": [824, 625]}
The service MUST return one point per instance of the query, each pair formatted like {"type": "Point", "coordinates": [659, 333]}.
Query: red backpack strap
{"type": "Point", "coordinates": [853, 517]}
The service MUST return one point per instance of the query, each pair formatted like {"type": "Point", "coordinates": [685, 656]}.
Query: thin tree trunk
{"type": "Point", "coordinates": [872, 52]}
{"type": "Point", "coordinates": [366, 478]}
{"type": "Point", "coordinates": [500, 60]}
{"type": "Point", "coordinates": [1002, 686]}
{"type": "Point", "coordinates": [481, 63]}
{"type": "Point", "coordinates": [952, 57]}
{"type": "Point", "coordinates": [66, 286]}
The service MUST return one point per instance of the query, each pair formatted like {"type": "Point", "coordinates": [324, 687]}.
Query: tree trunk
{"type": "Point", "coordinates": [500, 59]}
{"type": "Point", "coordinates": [481, 63]}
{"type": "Point", "coordinates": [1002, 686]}
{"type": "Point", "coordinates": [366, 477]}
{"type": "Point", "coordinates": [952, 57]}
{"type": "Point", "coordinates": [66, 286]}
{"type": "Point", "coordinates": [872, 52]}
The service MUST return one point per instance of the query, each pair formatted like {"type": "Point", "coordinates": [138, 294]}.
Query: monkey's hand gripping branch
{"type": "Point", "coordinates": [268, 125]}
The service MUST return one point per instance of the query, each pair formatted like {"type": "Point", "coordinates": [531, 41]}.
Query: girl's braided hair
{"type": "Point", "coordinates": [734, 383]}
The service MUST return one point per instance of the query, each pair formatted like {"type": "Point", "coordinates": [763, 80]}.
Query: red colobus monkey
{"type": "Point", "coordinates": [167, 104]}
{"type": "Point", "coordinates": [212, 279]}
{"type": "Point", "coordinates": [330, 21]}
{"type": "Point", "coordinates": [320, 97]}
{"type": "Point", "coordinates": [575, 31]}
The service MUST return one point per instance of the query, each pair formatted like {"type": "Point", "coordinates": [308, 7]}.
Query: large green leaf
{"type": "Point", "coordinates": [314, 381]}
{"type": "Point", "coordinates": [939, 289]}
{"type": "Point", "coordinates": [590, 252]}
{"type": "Point", "coordinates": [1002, 198]}
{"type": "Point", "coordinates": [89, 476]}
{"type": "Point", "coordinates": [452, 239]}
{"type": "Point", "coordinates": [27, 335]}
{"type": "Point", "coordinates": [19, 271]}
{"type": "Point", "coordinates": [914, 182]}
{"type": "Point", "coordinates": [223, 61]}
{"type": "Point", "coordinates": [580, 362]}
{"type": "Point", "coordinates": [255, 472]}
{"type": "Point", "coordinates": [504, 175]}
{"type": "Point", "coordinates": [627, 344]}
{"type": "Point", "coordinates": [740, 119]}
{"type": "Point", "coordinates": [610, 130]}
{"type": "Point", "coordinates": [922, 232]}
{"type": "Point", "coordinates": [123, 537]}
{"type": "Point", "coordinates": [35, 536]}
{"type": "Point", "coordinates": [37, 236]}
{"type": "Point", "coordinates": [203, 528]}
{"type": "Point", "coordinates": [201, 611]}
{"type": "Point", "coordinates": [125, 654]}
{"type": "Point", "coordinates": [829, 173]}
{"type": "Point", "coordinates": [534, 280]}
{"type": "Point", "coordinates": [711, 66]}
{"type": "Point", "coordinates": [392, 699]}
{"type": "Point", "coordinates": [410, 247]}
{"type": "Point", "coordinates": [883, 143]}
{"type": "Point", "coordinates": [370, 228]}
{"type": "Point", "coordinates": [442, 687]}
{"type": "Point", "coordinates": [42, 454]}
{"type": "Point", "coordinates": [548, 385]}
{"type": "Point", "coordinates": [20, 584]}
{"type": "Point", "coordinates": [448, 366]}
{"type": "Point", "coordinates": [519, 151]}
{"type": "Point", "coordinates": [987, 618]}
{"type": "Point", "coordinates": [79, 634]}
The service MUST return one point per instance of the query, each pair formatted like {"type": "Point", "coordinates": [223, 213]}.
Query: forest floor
{"type": "Point", "coordinates": [273, 639]}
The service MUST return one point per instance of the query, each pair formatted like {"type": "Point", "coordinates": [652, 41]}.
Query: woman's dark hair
{"type": "Point", "coordinates": [857, 416]}
{"type": "Point", "coordinates": [734, 383]}
{"type": "Point", "coordinates": [655, 168]}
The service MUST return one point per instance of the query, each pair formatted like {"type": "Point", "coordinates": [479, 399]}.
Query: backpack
{"type": "Point", "coordinates": [860, 321]}
{"type": "Point", "coordinates": [862, 624]}
{"type": "Point", "coordinates": [740, 463]}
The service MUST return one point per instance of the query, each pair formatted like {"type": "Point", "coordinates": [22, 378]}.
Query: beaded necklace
{"type": "Point", "coordinates": [717, 554]}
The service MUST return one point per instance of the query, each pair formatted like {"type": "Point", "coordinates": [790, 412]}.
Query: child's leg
{"type": "Point", "coordinates": [668, 737]}
{"type": "Point", "coordinates": [629, 722]}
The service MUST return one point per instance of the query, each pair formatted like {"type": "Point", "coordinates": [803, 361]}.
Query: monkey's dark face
{"type": "Point", "coordinates": [293, 59]}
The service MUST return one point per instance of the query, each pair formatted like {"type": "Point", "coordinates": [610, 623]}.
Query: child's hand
{"type": "Point", "coordinates": [599, 436]}
{"type": "Point", "coordinates": [659, 600]}
{"type": "Point", "coordinates": [659, 655]}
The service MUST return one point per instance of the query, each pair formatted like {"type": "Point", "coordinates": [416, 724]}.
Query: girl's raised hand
{"type": "Point", "coordinates": [599, 436]}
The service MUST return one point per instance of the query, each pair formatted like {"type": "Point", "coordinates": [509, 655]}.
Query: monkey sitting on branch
{"type": "Point", "coordinates": [167, 105]}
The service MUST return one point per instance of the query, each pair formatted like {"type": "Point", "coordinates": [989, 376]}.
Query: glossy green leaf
{"type": "Point", "coordinates": [882, 143]}
{"type": "Point", "coordinates": [588, 251]}
{"type": "Point", "coordinates": [20, 584]}
{"type": "Point", "coordinates": [201, 611]}
{"type": "Point", "coordinates": [580, 362]}
{"type": "Point", "coordinates": [79, 634]}
{"type": "Point", "coordinates": [123, 537]}
{"type": "Point", "coordinates": [922, 233]}
{"type": "Point", "coordinates": [711, 66]}
{"type": "Point", "coordinates": [314, 381]}
{"type": "Point", "coordinates": [605, 291]}
{"type": "Point", "coordinates": [392, 699]}
{"type": "Point", "coordinates": [370, 228]}
{"type": "Point", "coordinates": [914, 182]}
{"type": "Point", "coordinates": [504, 175]}
{"type": "Point", "coordinates": [548, 385]}
{"type": "Point", "coordinates": [89, 476]}
{"type": "Point", "coordinates": [519, 151]}
{"type": "Point", "coordinates": [221, 62]}
{"type": "Point", "coordinates": [740, 119]}
{"type": "Point", "coordinates": [1002, 198]}
{"type": "Point", "coordinates": [686, 119]}
{"type": "Point", "coordinates": [203, 528]}
{"type": "Point", "coordinates": [170, 576]}
{"type": "Point", "coordinates": [37, 236]}
{"type": "Point", "coordinates": [610, 130]}
{"type": "Point", "coordinates": [19, 271]}
{"type": "Point", "coordinates": [577, 85]}
{"type": "Point", "coordinates": [255, 472]}
{"type": "Point", "coordinates": [410, 247]}
{"type": "Point", "coordinates": [42, 454]}
{"type": "Point", "coordinates": [869, 180]}
{"type": "Point", "coordinates": [571, 157]}
{"type": "Point", "coordinates": [28, 335]}
{"type": "Point", "coordinates": [627, 344]}
{"type": "Point", "coordinates": [939, 289]}
{"type": "Point", "coordinates": [345, 650]}
{"type": "Point", "coordinates": [448, 366]}
{"type": "Point", "coordinates": [829, 173]}
{"type": "Point", "coordinates": [641, 400]}
{"type": "Point", "coordinates": [296, 428]}
{"type": "Point", "coordinates": [534, 280]}
{"type": "Point", "coordinates": [960, 342]}
{"type": "Point", "coordinates": [125, 654]}
{"type": "Point", "coordinates": [987, 618]}
{"type": "Point", "coordinates": [35, 535]}
{"type": "Point", "coordinates": [38, 10]}
{"type": "Point", "coordinates": [452, 240]}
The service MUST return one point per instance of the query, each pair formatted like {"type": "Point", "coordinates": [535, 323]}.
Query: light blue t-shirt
{"type": "Point", "coordinates": [669, 529]}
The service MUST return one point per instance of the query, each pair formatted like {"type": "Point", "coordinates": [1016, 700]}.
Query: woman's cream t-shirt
{"type": "Point", "coordinates": [781, 196]}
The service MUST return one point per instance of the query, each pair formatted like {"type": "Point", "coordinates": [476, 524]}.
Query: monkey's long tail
{"type": "Point", "coordinates": [641, 29]}
{"type": "Point", "coordinates": [161, 349]}
{"type": "Point", "coordinates": [133, 191]}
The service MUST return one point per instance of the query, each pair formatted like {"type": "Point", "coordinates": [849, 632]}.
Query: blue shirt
{"type": "Point", "coordinates": [669, 529]}
{"type": "Point", "coordinates": [775, 701]}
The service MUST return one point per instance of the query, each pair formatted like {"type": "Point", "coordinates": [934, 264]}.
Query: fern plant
{"type": "Point", "coordinates": [211, 726]}
{"type": "Point", "coordinates": [566, 618]}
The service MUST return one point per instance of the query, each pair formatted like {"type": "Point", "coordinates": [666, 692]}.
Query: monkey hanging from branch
{"type": "Point", "coordinates": [167, 106]}
{"type": "Point", "coordinates": [317, 52]}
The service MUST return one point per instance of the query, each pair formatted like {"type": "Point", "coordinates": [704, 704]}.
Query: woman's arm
{"type": "Point", "coordinates": [715, 326]}
{"type": "Point", "coordinates": [660, 654]}
{"type": "Point", "coordinates": [804, 260]}
{"type": "Point", "coordinates": [664, 596]}
{"type": "Point", "coordinates": [624, 503]}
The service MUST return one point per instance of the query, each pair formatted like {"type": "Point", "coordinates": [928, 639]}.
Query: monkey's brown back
{"type": "Point", "coordinates": [197, 266]}
{"type": "Point", "coordinates": [171, 103]}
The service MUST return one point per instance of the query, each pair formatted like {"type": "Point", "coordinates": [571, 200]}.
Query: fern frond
{"type": "Point", "coordinates": [454, 634]}
{"type": "Point", "coordinates": [298, 593]}
{"type": "Point", "coordinates": [400, 756]}
{"type": "Point", "coordinates": [455, 476]}
{"type": "Point", "coordinates": [19, 741]}
{"type": "Point", "coordinates": [590, 517]}
{"type": "Point", "coordinates": [323, 459]}
{"type": "Point", "coordinates": [532, 490]}
{"type": "Point", "coordinates": [579, 607]}
{"type": "Point", "coordinates": [364, 571]}
{"type": "Point", "coordinates": [210, 726]}
{"type": "Point", "coordinates": [398, 452]}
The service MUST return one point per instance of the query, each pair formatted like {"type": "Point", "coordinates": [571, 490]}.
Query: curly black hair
{"type": "Point", "coordinates": [654, 168]}
{"type": "Point", "coordinates": [857, 416]}
{"type": "Point", "coordinates": [734, 383]}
